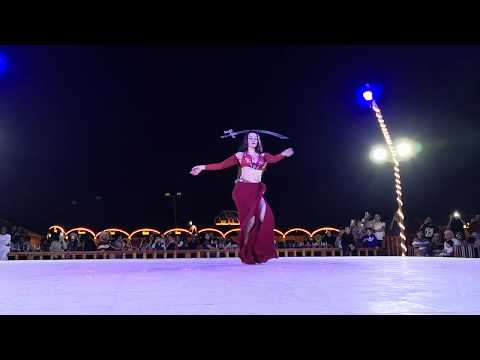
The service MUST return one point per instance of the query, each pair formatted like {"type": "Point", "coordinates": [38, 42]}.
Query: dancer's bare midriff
{"type": "Point", "coordinates": [250, 175]}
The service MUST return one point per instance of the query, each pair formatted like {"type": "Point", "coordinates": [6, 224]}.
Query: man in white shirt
{"type": "Point", "coordinates": [378, 228]}
{"type": "Point", "coordinates": [5, 240]}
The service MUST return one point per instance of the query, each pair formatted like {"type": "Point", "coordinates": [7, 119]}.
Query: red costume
{"type": "Point", "coordinates": [247, 196]}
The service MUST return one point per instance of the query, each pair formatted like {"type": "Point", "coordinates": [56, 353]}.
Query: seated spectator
{"type": "Point", "coordinates": [329, 239]}
{"type": "Point", "coordinates": [171, 245]}
{"type": "Point", "coordinates": [117, 244]}
{"type": "Point", "coordinates": [180, 243]}
{"type": "Point", "coordinates": [45, 244]}
{"type": "Point", "coordinates": [338, 239]}
{"type": "Point", "coordinates": [204, 242]}
{"type": "Point", "coordinates": [74, 243]}
{"type": "Point", "coordinates": [421, 246]}
{"type": "Point", "coordinates": [213, 243]}
{"type": "Point", "coordinates": [475, 239]}
{"type": "Point", "coordinates": [58, 244]}
{"type": "Point", "coordinates": [369, 240]}
{"type": "Point", "coordinates": [5, 242]}
{"type": "Point", "coordinates": [447, 249]}
{"type": "Point", "coordinates": [88, 243]}
{"type": "Point", "coordinates": [348, 241]}
{"type": "Point", "coordinates": [158, 243]}
{"type": "Point", "coordinates": [281, 244]}
{"type": "Point", "coordinates": [106, 243]}
{"type": "Point", "coordinates": [460, 239]}
{"type": "Point", "coordinates": [449, 236]}
{"type": "Point", "coordinates": [103, 240]}
{"type": "Point", "coordinates": [147, 243]}
{"type": "Point", "coordinates": [16, 239]}
{"type": "Point", "coordinates": [193, 244]}
{"type": "Point", "coordinates": [26, 245]}
{"type": "Point", "coordinates": [437, 243]}
{"type": "Point", "coordinates": [231, 244]}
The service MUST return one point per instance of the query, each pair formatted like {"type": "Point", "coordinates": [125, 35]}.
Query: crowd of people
{"type": "Point", "coordinates": [367, 232]}
{"type": "Point", "coordinates": [434, 240]}
{"type": "Point", "coordinates": [430, 239]}
{"type": "Point", "coordinates": [206, 241]}
{"type": "Point", "coordinates": [17, 239]}
{"type": "Point", "coordinates": [58, 242]}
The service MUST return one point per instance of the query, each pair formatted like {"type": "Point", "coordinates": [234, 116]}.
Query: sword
{"type": "Point", "coordinates": [232, 134]}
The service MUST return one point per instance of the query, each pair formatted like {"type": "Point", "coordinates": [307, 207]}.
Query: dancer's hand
{"type": "Point", "coordinates": [288, 152]}
{"type": "Point", "coordinates": [197, 170]}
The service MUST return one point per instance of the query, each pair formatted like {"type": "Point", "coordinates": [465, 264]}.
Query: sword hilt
{"type": "Point", "coordinates": [228, 133]}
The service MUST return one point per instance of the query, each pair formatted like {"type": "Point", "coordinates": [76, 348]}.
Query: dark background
{"type": "Point", "coordinates": [127, 123]}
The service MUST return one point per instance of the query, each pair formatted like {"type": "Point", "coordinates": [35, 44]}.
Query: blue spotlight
{"type": "Point", "coordinates": [3, 63]}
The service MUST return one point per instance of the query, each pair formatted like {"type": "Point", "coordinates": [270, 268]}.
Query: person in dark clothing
{"type": "Point", "coordinates": [457, 225]}
{"type": "Point", "coordinates": [348, 241]}
{"type": "Point", "coordinates": [429, 229]}
{"type": "Point", "coordinates": [329, 239]}
{"type": "Point", "coordinates": [89, 244]}
{"type": "Point", "coordinates": [45, 245]}
{"type": "Point", "coordinates": [369, 240]}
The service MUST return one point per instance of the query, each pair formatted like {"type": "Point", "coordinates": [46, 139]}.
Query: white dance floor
{"type": "Point", "coordinates": [309, 285]}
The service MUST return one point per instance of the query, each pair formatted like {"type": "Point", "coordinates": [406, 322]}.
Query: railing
{"type": "Point", "coordinates": [392, 245]}
{"type": "Point", "coordinates": [466, 251]}
{"type": "Point", "coordinates": [175, 254]}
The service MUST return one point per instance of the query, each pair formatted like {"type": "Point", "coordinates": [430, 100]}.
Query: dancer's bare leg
{"type": "Point", "coordinates": [250, 224]}
{"type": "Point", "coordinates": [263, 208]}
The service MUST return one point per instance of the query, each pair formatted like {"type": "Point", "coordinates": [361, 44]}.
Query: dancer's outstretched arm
{"type": "Point", "coordinates": [231, 161]}
{"type": "Point", "coordinates": [271, 159]}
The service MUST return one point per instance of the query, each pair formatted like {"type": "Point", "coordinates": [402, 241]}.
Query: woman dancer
{"type": "Point", "coordinates": [256, 218]}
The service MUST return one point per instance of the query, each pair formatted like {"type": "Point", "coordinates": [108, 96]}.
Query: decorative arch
{"type": "Point", "coordinates": [113, 230]}
{"type": "Point", "coordinates": [144, 230]}
{"type": "Point", "coordinates": [231, 231]}
{"type": "Point", "coordinates": [177, 229]}
{"type": "Point", "coordinates": [79, 229]}
{"type": "Point", "coordinates": [324, 229]}
{"type": "Point", "coordinates": [56, 227]}
{"type": "Point", "coordinates": [297, 229]}
{"type": "Point", "coordinates": [212, 230]}
{"type": "Point", "coordinates": [279, 233]}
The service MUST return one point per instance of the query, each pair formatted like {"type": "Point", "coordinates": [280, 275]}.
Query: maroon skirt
{"type": "Point", "coordinates": [260, 244]}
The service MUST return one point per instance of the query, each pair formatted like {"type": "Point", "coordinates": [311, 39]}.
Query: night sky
{"type": "Point", "coordinates": [127, 123]}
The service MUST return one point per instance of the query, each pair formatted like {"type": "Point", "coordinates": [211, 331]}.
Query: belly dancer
{"type": "Point", "coordinates": [257, 222]}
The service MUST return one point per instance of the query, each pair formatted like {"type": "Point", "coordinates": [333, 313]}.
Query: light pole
{"type": "Point", "coordinates": [174, 197]}
{"type": "Point", "coordinates": [368, 96]}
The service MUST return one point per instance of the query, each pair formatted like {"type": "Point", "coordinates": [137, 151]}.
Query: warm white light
{"type": "Point", "coordinates": [379, 154]}
{"type": "Point", "coordinates": [367, 95]}
{"type": "Point", "coordinates": [405, 150]}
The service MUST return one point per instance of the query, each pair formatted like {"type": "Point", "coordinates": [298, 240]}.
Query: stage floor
{"type": "Point", "coordinates": [309, 285]}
